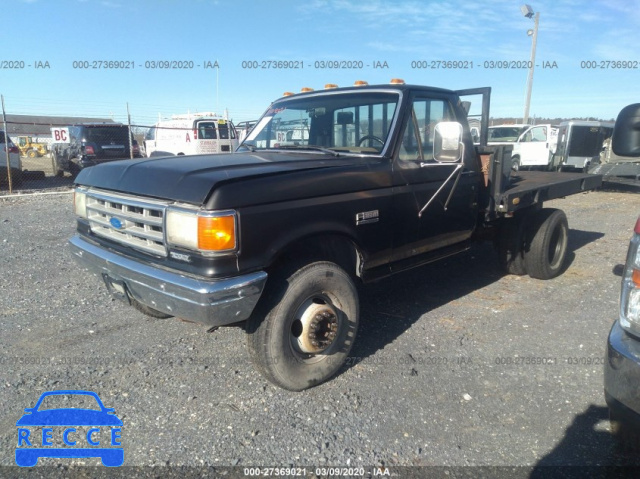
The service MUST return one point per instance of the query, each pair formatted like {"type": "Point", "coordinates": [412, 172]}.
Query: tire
{"type": "Point", "coordinates": [549, 237]}
{"type": "Point", "coordinates": [627, 438]}
{"type": "Point", "coordinates": [144, 309]}
{"type": "Point", "coordinates": [302, 333]}
{"type": "Point", "coordinates": [56, 170]}
{"type": "Point", "coordinates": [17, 178]}
{"type": "Point", "coordinates": [515, 164]}
{"type": "Point", "coordinates": [32, 153]}
{"type": "Point", "coordinates": [511, 241]}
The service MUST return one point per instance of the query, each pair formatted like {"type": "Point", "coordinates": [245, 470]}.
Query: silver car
{"type": "Point", "coordinates": [15, 163]}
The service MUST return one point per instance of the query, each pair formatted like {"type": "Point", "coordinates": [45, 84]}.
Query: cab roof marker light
{"type": "Point", "coordinates": [330, 86]}
{"type": "Point", "coordinates": [288, 93]}
{"type": "Point", "coordinates": [360, 83]}
{"type": "Point", "coordinates": [306, 89]}
{"type": "Point", "coordinates": [397, 81]}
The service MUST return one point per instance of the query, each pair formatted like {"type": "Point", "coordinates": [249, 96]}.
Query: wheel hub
{"type": "Point", "coordinates": [319, 322]}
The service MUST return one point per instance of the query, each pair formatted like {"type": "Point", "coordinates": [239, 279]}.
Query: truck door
{"type": "Point", "coordinates": [435, 203]}
{"type": "Point", "coordinates": [534, 146]}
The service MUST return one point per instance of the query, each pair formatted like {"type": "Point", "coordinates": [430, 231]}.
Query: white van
{"type": "Point", "coordinates": [535, 147]}
{"type": "Point", "coordinates": [191, 134]}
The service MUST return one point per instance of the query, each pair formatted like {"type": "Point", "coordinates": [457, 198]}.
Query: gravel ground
{"type": "Point", "coordinates": [455, 363]}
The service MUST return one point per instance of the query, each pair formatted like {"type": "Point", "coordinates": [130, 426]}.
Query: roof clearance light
{"type": "Point", "coordinates": [287, 93]}
{"type": "Point", "coordinates": [360, 83]}
{"type": "Point", "coordinates": [306, 89]}
{"type": "Point", "coordinates": [397, 81]}
{"type": "Point", "coordinates": [329, 86]}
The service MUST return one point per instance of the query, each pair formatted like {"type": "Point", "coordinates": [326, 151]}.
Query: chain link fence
{"type": "Point", "coordinates": [46, 153]}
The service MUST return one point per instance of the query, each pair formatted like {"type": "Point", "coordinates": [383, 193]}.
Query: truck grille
{"type": "Point", "coordinates": [138, 223]}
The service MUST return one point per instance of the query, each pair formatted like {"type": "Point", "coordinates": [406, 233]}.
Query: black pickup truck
{"type": "Point", "coordinates": [330, 189]}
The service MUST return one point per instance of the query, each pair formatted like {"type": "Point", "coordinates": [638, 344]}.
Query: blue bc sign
{"type": "Point", "coordinates": [91, 430]}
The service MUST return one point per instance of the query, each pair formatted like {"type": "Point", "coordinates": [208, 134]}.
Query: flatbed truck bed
{"type": "Point", "coordinates": [527, 188]}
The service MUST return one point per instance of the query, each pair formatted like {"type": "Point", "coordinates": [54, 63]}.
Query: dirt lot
{"type": "Point", "coordinates": [455, 365]}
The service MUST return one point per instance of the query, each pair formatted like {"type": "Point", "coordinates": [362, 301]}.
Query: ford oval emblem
{"type": "Point", "coordinates": [116, 223]}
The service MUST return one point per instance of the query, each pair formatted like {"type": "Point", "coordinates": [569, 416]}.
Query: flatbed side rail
{"type": "Point", "coordinates": [533, 187]}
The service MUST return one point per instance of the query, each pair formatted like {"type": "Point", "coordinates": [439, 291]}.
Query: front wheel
{"type": "Point", "coordinates": [549, 233]}
{"type": "Point", "coordinates": [515, 164]}
{"type": "Point", "coordinates": [55, 168]}
{"type": "Point", "coordinates": [628, 439]}
{"type": "Point", "coordinates": [302, 333]}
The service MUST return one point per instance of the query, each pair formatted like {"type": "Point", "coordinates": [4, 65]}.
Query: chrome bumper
{"type": "Point", "coordinates": [211, 302]}
{"type": "Point", "coordinates": [622, 373]}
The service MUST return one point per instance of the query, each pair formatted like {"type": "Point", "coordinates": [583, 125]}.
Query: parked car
{"type": "Point", "coordinates": [622, 365]}
{"type": "Point", "coordinates": [90, 144]}
{"type": "Point", "coordinates": [14, 161]}
{"type": "Point", "coordinates": [277, 238]}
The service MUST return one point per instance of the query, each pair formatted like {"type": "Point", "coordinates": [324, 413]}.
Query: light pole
{"type": "Point", "coordinates": [528, 12]}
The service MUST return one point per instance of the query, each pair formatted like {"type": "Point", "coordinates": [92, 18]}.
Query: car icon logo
{"type": "Point", "coordinates": [92, 430]}
{"type": "Point", "coordinates": [116, 223]}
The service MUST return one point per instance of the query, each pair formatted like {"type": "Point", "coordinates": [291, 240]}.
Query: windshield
{"type": "Point", "coordinates": [107, 135]}
{"type": "Point", "coordinates": [505, 133]}
{"type": "Point", "coordinates": [586, 140]}
{"type": "Point", "coordinates": [207, 130]}
{"type": "Point", "coordinates": [353, 122]}
{"type": "Point", "coordinates": [65, 401]}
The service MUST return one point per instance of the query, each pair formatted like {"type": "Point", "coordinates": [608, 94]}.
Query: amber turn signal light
{"type": "Point", "coordinates": [216, 233]}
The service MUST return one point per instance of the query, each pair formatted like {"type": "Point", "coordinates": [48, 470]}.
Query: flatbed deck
{"type": "Point", "coordinates": [526, 188]}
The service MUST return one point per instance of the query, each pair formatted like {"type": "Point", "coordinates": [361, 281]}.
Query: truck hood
{"type": "Point", "coordinates": [191, 179]}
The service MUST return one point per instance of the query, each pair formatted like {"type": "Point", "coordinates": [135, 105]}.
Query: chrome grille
{"type": "Point", "coordinates": [139, 223]}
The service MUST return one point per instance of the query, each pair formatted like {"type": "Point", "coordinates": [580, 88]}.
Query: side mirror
{"type": "Point", "coordinates": [626, 133]}
{"type": "Point", "coordinates": [447, 142]}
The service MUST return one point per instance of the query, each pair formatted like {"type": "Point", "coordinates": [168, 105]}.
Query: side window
{"type": "Point", "coordinates": [74, 133]}
{"type": "Point", "coordinates": [539, 134]}
{"type": "Point", "coordinates": [417, 140]}
{"type": "Point", "coordinates": [151, 134]}
{"type": "Point", "coordinates": [207, 131]}
{"type": "Point", "coordinates": [365, 126]}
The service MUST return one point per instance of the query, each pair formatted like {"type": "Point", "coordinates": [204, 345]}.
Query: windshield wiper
{"type": "Point", "coordinates": [309, 147]}
{"type": "Point", "coordinates": [249, 146]}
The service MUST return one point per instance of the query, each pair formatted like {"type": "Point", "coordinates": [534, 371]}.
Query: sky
{"type": "Point", "coordinates": [55, 53]}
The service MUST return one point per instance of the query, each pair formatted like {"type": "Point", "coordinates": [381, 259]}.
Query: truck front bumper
{"type": "Point", "coordinates": [622, 376]}
{"type": "Point", "coordinates": [214, 302]}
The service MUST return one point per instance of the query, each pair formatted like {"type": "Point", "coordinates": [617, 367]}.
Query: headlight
{"type": "Point", "coordinates": [80, 202]}
{"type": "Point", "coordinates": [630, 292]}
{"type": "Point", "coordinates": [202, 231]}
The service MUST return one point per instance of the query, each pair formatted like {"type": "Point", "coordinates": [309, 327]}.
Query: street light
{"type": "Point", "coordinates": [528, 12]}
